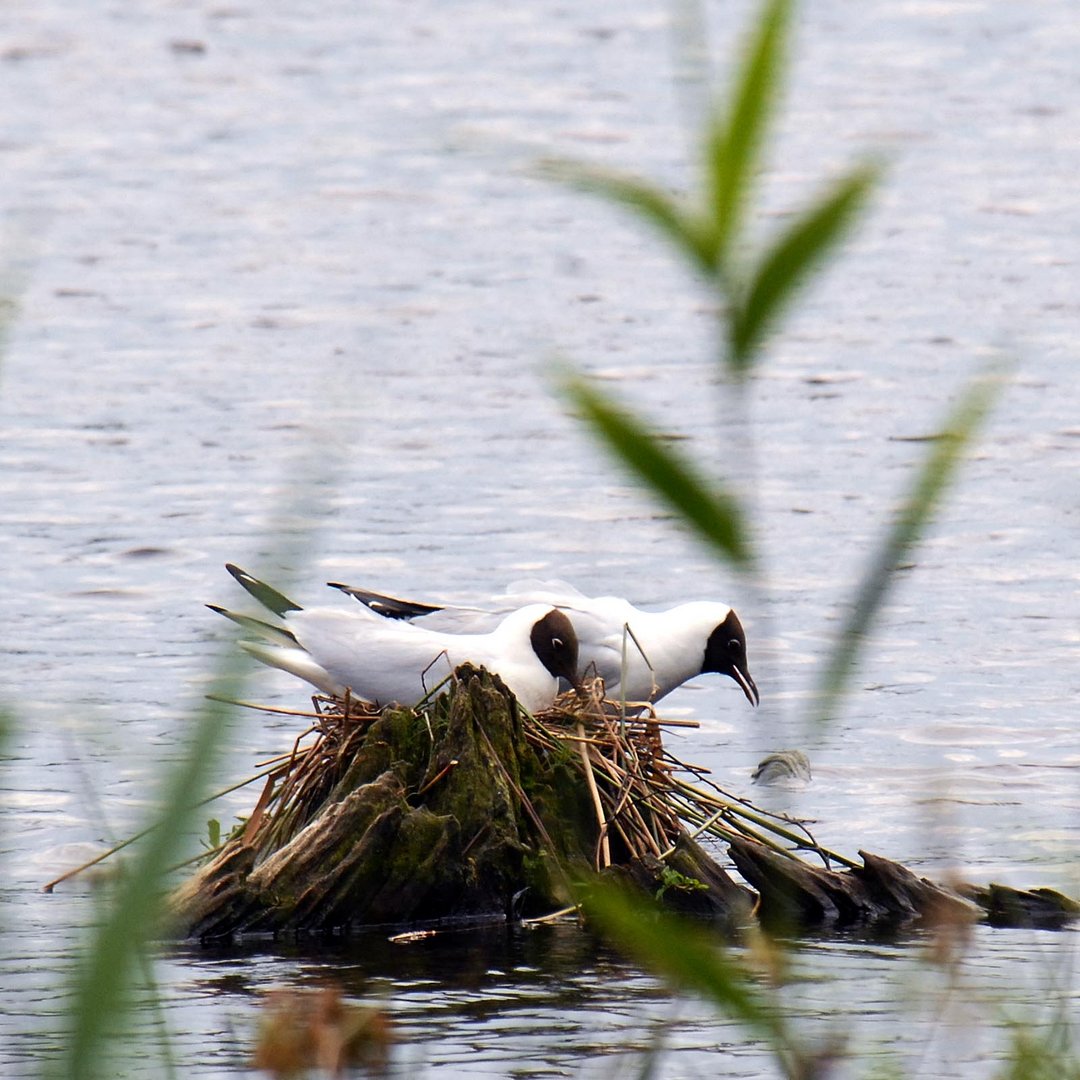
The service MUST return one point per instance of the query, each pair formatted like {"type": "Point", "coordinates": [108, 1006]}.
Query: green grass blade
{"type": "Point", "coordinates": [915, 513]}
{"type": "Point", "coordinates": [109, 964]}
{"type": "Point", "coordinates": [688, 957]}
{"type": "Point", "coordinates": [1038, 1052]}
{"type": "Point", "coordinates": [715, 515]}
{"type": "Point", "coordinates": [735, 141]}
{"type": "Point", "coordinates": [801, 247]}
{"type": "Point", "coordinates": [689, 235]}
{"type": "Point", "coordinates": [14, 276]}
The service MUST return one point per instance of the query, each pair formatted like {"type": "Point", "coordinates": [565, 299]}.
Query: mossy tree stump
{"type": "Point", "coordinates": [443, 813]}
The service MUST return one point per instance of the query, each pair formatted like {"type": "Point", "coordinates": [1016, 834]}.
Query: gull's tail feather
{"type": "Point", "coordinates": [278, 635]}
{"type": "Point", "coordinates": [295, 661]}
{"type": "Point", "coordinates": [268, 596]}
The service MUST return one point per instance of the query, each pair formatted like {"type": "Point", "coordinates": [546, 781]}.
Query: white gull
{"type": "Point", "coordinates": [384, 660]}
{"type": "Point", "coordinates": [640, 655]}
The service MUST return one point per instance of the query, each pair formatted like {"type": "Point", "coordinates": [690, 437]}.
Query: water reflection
{"type": "Point", "coordinates": [551, 1002]}
{"type": "Point", "coordinates": [542, 995]}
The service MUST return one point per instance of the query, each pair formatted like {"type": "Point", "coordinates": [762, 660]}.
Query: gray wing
{"type": "Point", "coordinates": [389, 606]}
{"type": "Point", "coordinates": [535, 591]}
{"type": "Point", "coordinates": [447, 619]}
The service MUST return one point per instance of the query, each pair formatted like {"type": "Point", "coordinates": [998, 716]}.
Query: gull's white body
{"type": "Point", "coordinates": [384, 660]}
{"type": "Point", "coordinates": [640, 655]}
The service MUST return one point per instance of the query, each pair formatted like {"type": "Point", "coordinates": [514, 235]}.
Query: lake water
{"type": "Point", "coordinates": [291, 297]}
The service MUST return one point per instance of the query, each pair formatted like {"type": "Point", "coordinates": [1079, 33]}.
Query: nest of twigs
{"type": "Point", "coordinates": [645, 800]}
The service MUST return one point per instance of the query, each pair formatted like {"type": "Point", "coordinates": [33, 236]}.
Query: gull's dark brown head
{"type": "Point", "coordinates": [725, 652]}
{"type": "Point", "coordinates": [556, 645]}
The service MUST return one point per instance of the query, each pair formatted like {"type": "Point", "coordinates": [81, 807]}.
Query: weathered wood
{"type": "Point", "coordinates": [1006, 906]}
{"type": "Point", "coordinates": [691, 883]}
{"type": "Point", "coordinates": [795, 893]}
{"type": "Point", "coordinates": [909, 896]}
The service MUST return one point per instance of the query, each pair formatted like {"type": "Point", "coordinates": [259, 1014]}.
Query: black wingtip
{"type": "Point", "coordinates": [389, 607]}
{"type": "Point", "coordinates": [267, 595]}
{"type": "Point", "coordinates": [241, 575]}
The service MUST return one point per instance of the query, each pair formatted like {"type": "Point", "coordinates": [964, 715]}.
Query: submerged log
{"type": "Point", "coordinates": [1041, 908]}
{"type": "Point", "coordinates": [796, 893]}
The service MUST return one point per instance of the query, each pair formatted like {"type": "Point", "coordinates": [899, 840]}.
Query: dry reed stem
{"type": "Point", "coordinates": [603, 848]}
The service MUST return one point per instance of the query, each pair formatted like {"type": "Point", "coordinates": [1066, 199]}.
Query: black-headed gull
{"type": "Point", "coordinates": [657, 650]}
{"type": "Point", "coordinates": [382, 661]}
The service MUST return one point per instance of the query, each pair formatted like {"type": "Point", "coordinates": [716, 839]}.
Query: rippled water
{"type": "Point", "coordinates": [291, 292]}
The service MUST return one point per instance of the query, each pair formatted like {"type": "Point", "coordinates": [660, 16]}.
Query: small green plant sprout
{"type": "Point", "coordinates": [672, 879]}
{"type": "Point", "coordinates": [216, 838]}
{"type": "Point", "coordinates": [213, 834]}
